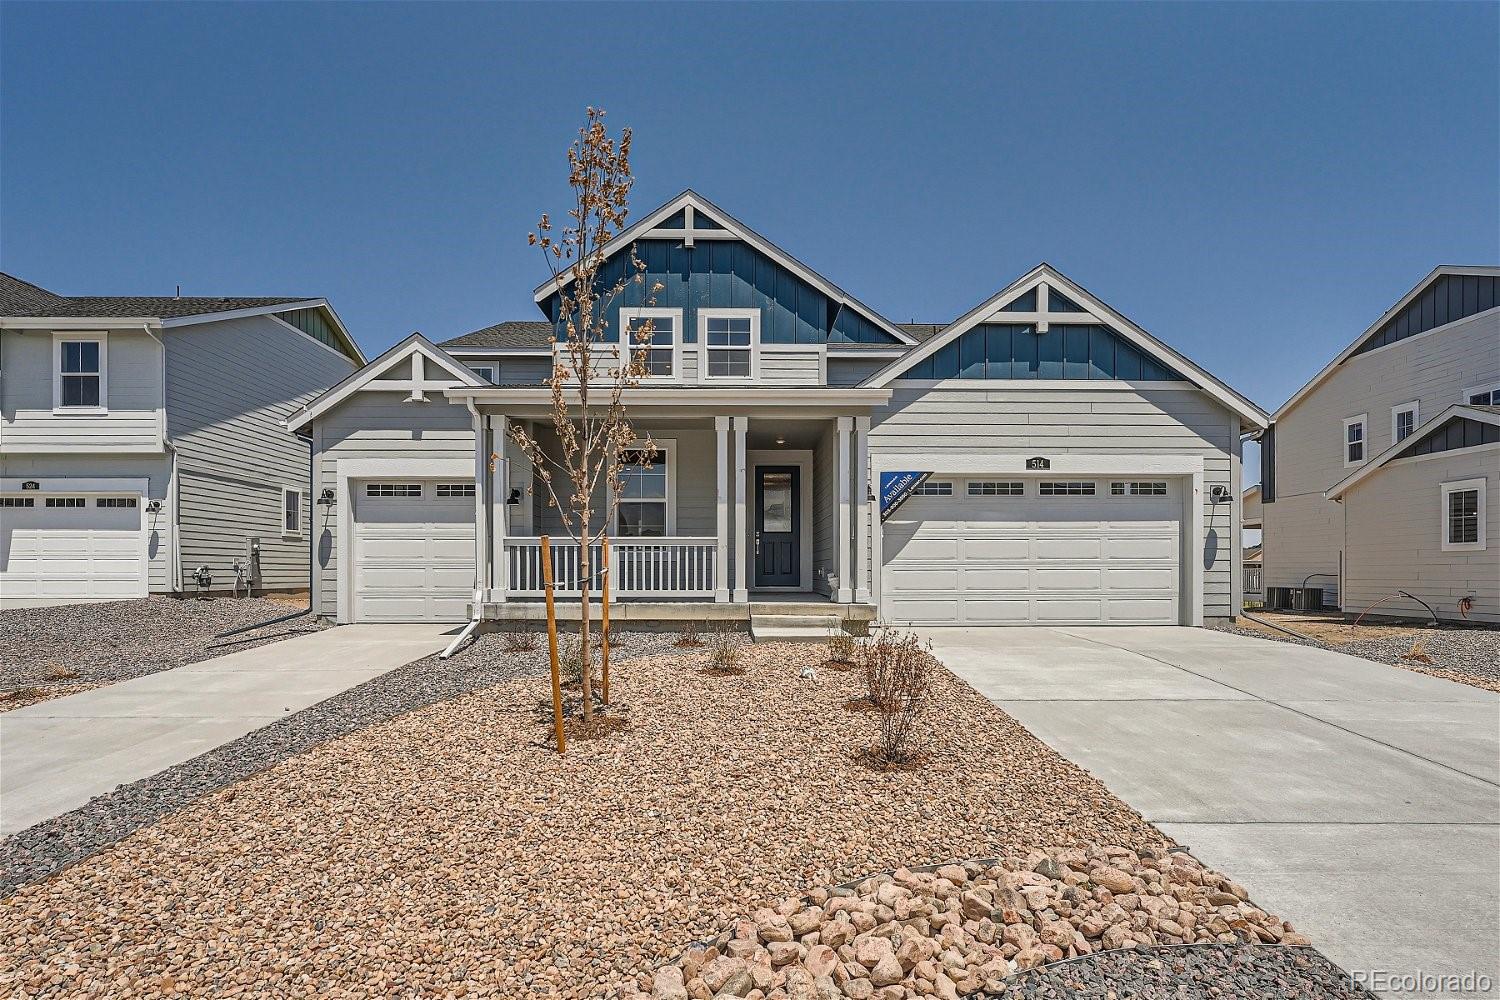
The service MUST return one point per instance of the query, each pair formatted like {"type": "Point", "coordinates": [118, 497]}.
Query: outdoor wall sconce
{"type": "Point", "coordinates": [325, 498]}
{"type": "Point", "coordinates": [515, 496]}
{"type": "Point", "coordinates": [153, 506]}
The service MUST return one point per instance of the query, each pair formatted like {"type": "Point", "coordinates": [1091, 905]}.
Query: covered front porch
{"type": "Point", "coordinates": [766, 504]}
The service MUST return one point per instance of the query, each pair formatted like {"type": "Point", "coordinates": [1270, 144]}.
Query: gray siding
{"type": "Point", "coordinates": [1393, 524]}
{"type": "Point", "coordinates": [853, 371]}
{"type": "Point", "coordinates": [157, 469]}
{"type": "Point", "coordinates": [1085, 420]}
{"type": "Point", "coordinates": [377, 425]}
{"type": "Point", "coordinates": [133, 387]}
{"type": "Point", "coordinates": [1303, 531]}
{"type": "Point", "coordinates": [230, 387]}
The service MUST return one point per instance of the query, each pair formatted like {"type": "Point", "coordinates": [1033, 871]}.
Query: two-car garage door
{"type": "Point", "coordinates": [1028, 551]}
{"type": "Point", "coordinates": [413, 554]}
{"type": "Point", "coordinates": [69, 548]}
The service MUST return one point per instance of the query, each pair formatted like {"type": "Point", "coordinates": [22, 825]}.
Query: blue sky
{"type": "Point", "coordinates": [1253, 183]}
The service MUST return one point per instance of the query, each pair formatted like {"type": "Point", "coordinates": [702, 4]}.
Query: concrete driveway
{"type": "Point", "coordinates": [57, 755]}
{"type": "Point", "coordinates": [1357, 800]}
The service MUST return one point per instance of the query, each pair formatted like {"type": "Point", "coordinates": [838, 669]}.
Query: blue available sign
{"type": "Point", "coordinates": [895, 487]}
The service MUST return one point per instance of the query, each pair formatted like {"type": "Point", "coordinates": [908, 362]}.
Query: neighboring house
{"type": "Point", "coordinates": [1077, 470]}
{"type": "Point", "coordinates": [142, 438]}
{"type": "Point", "coordinates": [1372, 482]}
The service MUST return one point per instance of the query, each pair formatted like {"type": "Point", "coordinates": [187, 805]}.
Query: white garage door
{"type": "Point", "coordinates": [67, 548]}
{"type": "Point", "coordinates": [1019, 551]}
{"type": "Point", "coordinates": [413, 550]}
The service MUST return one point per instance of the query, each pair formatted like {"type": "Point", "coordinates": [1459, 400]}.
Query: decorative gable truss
{"type": "Point", "coordinates": [416, 367]}
{"type": "Point", "coordinates": [1045, 327]}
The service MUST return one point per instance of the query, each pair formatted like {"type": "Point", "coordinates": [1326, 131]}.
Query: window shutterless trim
{"type": "Point", "coordinates": [1363, 422]}
{"type": "Point", "coordinates": [1457, 488]}
{"type": "Point", "coordinates": [667, 453]}
{"type": "Point", "coordinates": [1396, 413]}
{"type": "Point", "coordinates": [74, 336]}
{"type": "Point", "coordinates": [629, 313]}
{"type": "Point", "coordinates": [750, 350]}
{"type": "Point", "coordinates": [1490, 394]}
{"type": "Point", "coordinates": [292, 530]}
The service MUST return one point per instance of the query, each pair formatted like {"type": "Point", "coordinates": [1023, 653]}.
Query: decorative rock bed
{"type": "Point", "coordinates": [959, 929]}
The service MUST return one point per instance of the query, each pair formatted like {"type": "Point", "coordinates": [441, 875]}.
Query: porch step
{"type": "Point", "coordinates": [792, 628]}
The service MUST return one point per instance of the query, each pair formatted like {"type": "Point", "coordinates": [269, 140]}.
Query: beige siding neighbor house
{"type": "Point", "coordinates": [1040, 460]}
{"type": "Point", "coordinates": [142, 438]}
{"type": "Point", "coordinates": [1354, 495]}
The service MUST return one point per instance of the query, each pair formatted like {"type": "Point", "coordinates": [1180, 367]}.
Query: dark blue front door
{"type": "Point", "coordinates": [778, 526]}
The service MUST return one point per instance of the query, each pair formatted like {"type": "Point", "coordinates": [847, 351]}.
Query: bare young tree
{"type": "Point", "coordinates": [589, 374]}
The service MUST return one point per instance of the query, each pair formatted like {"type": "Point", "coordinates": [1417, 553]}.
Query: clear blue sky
{"type": "Point", "coordinates": [1253, 183]}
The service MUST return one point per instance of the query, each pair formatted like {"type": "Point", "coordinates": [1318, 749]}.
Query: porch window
{"type": "Point", "coordinates": [659, 354]}
{"type": "Point", "coordinates": [729, 338]}
{"type": "Point", "coordinates": [645, 504]}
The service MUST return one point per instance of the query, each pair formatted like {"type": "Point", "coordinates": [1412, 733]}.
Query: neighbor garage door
{"type": "Point", "coordinates": [1017, 551]}
{"type": "Point", "coordinates": [413, 550]}
{"type": "Point", "coordinates": [66, 548]}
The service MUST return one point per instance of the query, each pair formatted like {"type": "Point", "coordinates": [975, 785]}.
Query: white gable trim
{"type": "Point", "coordinates": [732, 229]}
{"type": "Point", "coordinates": [417, 345]}
{"type": "Point", "coordinates": [1373, 465]}
{"type": "Point", "coordinates": [1385, 317]}
{"type": "Point", "coordinates": [1041, 277]}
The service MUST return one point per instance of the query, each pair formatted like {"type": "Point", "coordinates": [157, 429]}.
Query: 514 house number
{"type": "Point", "coordinates": [1038, 463]}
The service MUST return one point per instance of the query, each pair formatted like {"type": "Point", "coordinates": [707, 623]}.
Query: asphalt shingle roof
{"type": "Point", "coordinates": [23, 299]}
{"type": "Point", "coordinates": [512, 333]}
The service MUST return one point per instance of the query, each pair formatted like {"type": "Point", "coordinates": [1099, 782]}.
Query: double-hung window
{"type": "Point", "coordinates": [645, 502]}
{"type": "Point", "coordinates": [291, 513]}
{"type": "Point", "coordinates": [1354, 439]}
{"type": "Point", "coordinates": [79, 373]}
{"type": "Point", "coordinates": [1463, 516]}
{"type": "Point", "coordinates": [1403, 421]}
{"type": "Point", "coordinates": [728, 339]}
{"type": "Point", "coordinates": [1483, 395]}
{"type": "Point", "coordinates": [656, 350]}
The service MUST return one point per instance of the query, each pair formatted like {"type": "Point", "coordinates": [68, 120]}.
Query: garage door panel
{"type": "Point", "coordinates": [1030, 559]}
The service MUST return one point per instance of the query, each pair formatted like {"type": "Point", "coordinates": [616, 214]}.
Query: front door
{"type": "Point", "coordinates": [778, 526]}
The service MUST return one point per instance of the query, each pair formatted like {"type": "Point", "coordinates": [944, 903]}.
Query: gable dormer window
{"type": "Point", "coordinates": [660, 354]}
{"type": "Point", "coordinates": [79, 373]}
{"type": "Point", "coordinates": [729, 339]}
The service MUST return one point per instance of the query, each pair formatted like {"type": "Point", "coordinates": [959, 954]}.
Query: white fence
{"type": "Point", "coordinates": [640, 567]}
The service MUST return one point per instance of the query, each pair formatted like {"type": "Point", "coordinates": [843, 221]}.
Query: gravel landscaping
{"type": "Point", "coordinates": [450, 851]}
{"type": "Point", "coordinates": [49, 652]}
{"type": "Point", "coordinates": [53, 845]}
{"type": "Point", "coordinates": [962, 929]}
{"type": "Point", "coordinates": [1468, 655]}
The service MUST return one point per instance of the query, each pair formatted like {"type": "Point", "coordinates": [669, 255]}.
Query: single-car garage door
{"type": "Point", "coordinates": [1028, 551]}
{"type": "Point", "coordinates": [413, 550]}
{"type": "Point", "coordinates": [67, 548]}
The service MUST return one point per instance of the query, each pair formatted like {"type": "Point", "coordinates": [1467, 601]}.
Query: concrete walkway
{"type": "Point", "coordinates": [57, 755]}
{"type": "Point", "coordinates": [1357, 800]}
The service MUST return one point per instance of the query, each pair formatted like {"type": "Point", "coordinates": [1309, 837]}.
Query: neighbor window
{"type": "Point", "coordinates": [659, 353]}
{"type": "Point", "coordinates": [291, 512]}
{"type": "Point", "coordinates": [987, 488]}
{"type": "Point", "coordinates": [1156, 488]}
{"type": "Point", "coordinates": [1463, 516]}
{"type": "Point", "coordinates": [644, 509]}
{"type": "Point", "coordinates": [729, 337]}
{"type": "Point", "coordinates": [1483, 395]}
{"type": "Point", "coordinates": [80, 373]}
{"type": "Point", "coordinates": [453, 491]}
{"type": "Point", "coordinates": [934, 488]}
{"type": "Point", "coordinates": [413, 490]}
{"type": "Point", "coordinates": [1354, 439]}
{"type": "Point", "coordinates": [1068, 489]}
{"type": "Point", "coordinates": [1403, 421]}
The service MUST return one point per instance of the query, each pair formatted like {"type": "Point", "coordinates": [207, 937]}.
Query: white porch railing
{"type": "Point", "coordinates": [640, 567]}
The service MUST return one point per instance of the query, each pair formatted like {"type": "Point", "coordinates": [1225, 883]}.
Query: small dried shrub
{"type": "Point", "coordinates": [898, 679]}
{"type": "Point", "coordinates": [1418, 652]}
{"type": "Point", "coordinates": [843, 648]}
{"type": "Point", "coordinates": [56, 673]}
{"type": "Point", "coordinates": [724, 649]}
{"type": "Point", "coordinates": [570, 658]}
{"type": "Point", "coordinates": [689, 635]}
{"type": "Point", "coordinates": [523, 641]}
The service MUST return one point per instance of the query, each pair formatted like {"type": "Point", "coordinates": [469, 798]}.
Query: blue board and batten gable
{"type": "Point", "coordinates": [1016, 351]}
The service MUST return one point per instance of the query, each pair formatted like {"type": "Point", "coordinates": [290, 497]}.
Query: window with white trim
{"type": "Point", "coordinates": [119, 502]}
{"type": "Point", "coordinates": [1154, 488]}
{"type": "Point", "coordinates": [291, 512]}
{"type": "Point", "coordinates": [990, 488]}
{"type": "Point", "coordinates": [79, 372]}
{"type": "Point", "coordinates": [454, 491]}
{"type": "Point", "coordinates": [645, 502]}
{"type": "Point", "coordinates": [934, 488]}
{"type": "Point", "coordinates": [658, 351]}
{"type": "Point", "coordinates": [1483, 395]}
{"type": "Point", "coordinates": [490, 373]}
{"type": "Point", "coordinates": [1355, 436]}
{"type": "Point", "coordinates": [1463, 515]}
{"type": "Point", "coordinates": [729, 339]}
{"type": "Point", "coordinates": [17, 501]}
{"type": "Point", "coordinates": [1066, 489]}
{"type": "Point", "coordinates": [401, 490]}
{"type": "Point", "coordinates": [67, 502]}
{"type": "Point", "coordinates": [1403, 421]}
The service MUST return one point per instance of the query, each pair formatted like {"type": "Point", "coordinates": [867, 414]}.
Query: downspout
{"type": "Point", "coordinates": [481, 538]}
{"type": "Point", "coordinates": [172, 502]}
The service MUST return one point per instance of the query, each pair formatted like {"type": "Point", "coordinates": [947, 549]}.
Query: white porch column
{"type": "Point", "coordinates": [741, 526]}
{"type": "Point", "coordinates": [845, 522]}
{"type": "Point", "coordinates": [721, 506]}
{"type": "Point", "coordinates": [499, 491]}
{"type": "Point", "coordinates": [862, 509]}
